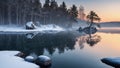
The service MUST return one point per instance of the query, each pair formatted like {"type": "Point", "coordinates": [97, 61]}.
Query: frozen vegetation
{"type": "Point", "coordinates": [9, 60]}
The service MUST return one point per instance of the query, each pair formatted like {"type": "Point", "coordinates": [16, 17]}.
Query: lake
{"type": "Point", "coordinates": [67, 49]}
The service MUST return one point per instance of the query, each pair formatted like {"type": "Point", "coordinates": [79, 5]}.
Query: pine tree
{"type": "Point", "coordinates": [73, 11]}
{"type": "Point", "coordinates": [38, 4]}
{"type": "Point", "coordinates": [63, 6]}
{"type": "Point", "coordinates": [53, 4]}
{"type": "Point", "coordinates": [92, 16]}
{"type": "Point", "coordinates": [47, 4]}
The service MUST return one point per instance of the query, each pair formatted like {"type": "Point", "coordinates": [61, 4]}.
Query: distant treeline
{"type": "Point", "coordinates": [19, 12]}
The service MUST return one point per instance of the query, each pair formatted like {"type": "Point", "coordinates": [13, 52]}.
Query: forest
{"type": "Point", "coordinates": [19, 12]}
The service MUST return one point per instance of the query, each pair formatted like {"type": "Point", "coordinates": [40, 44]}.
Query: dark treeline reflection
{"type": "Point", "coordinates": [38, 44]}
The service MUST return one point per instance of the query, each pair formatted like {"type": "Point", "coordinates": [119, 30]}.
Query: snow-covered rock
{"type": "Point", "coordinates": [30, 25]}
{"type": "Point", "coordinates": [30, 59]}
{"type": "Point", "coordinates": [43, 60]}
{"type": "Point", "coordinates": [9, 60]}
{"type": "Point", "coordinates": [114, 62]}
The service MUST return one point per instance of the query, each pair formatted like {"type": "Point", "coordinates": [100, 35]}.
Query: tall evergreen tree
{"type": "Point", "coordinates": [53, 4]}
{"type": "Point", "coordinates": [47, 4]}
{"type": "Point", "coordinates": [37, 5]}
{"type": "Point", "coordinates": [63, 6]}
{"type": "Point", "coordinates": [92, 16]}
{"type": "Point", "coordinates": [73, 11]}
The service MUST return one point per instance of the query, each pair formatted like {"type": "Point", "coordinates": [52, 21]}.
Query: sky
{"type": "Point", "coordinates": [108, 10]}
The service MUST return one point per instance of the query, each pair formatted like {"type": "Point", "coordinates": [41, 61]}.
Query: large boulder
{"type": "Point", "coordinates": [43, 61]}
{"type": "Point", "coordinates": [114, 62]}
{"type": "Point", "coordinates": [30, 25]}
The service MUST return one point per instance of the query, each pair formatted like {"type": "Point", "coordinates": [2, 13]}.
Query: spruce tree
{"type": "Point", "coordinates": [92, 16]}
{"type": "Point", "coordinates": [63, 6]}
{"type": "Point", "coordinates": [47, 4]}
{"type": "Point", "coordinates": [53, 4]}
{"type": "Point", "coordinates": [37, 5]}
{"type": "Point", "coordinates": [73, 11]}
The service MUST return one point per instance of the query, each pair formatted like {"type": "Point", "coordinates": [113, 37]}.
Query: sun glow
{"type": "Point", "coordinates": [108, 10]}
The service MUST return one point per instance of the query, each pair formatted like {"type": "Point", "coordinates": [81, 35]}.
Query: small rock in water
{"type": "Point", "coordinates": [43, 60]}
{"type": "Point", "coordinates": [90, 30]}
{"type": "Point", "coordinates": [22, 55]}
{"type": "Point", "coordinates": [30, 59]}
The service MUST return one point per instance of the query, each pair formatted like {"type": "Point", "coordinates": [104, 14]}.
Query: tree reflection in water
{"type": "Point", "coordinates": [37, 43]}
{"type": "Point", "coordinates": [91, 40]}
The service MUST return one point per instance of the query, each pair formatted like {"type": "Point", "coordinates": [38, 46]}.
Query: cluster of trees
{"type": "Point", "coordinates": [21, 11]}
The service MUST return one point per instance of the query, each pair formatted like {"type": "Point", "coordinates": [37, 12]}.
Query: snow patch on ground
{"type": "Point", "coordinates": [9, 60]}
{"type": "Point", "coordinates": [42, 28]}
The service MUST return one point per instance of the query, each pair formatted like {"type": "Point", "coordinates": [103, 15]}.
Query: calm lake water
{"type": "Point", "coordinates": [66, 49]}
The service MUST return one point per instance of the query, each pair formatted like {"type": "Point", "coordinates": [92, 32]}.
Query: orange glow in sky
{"type": "Point", "coordinates": [108, 10]}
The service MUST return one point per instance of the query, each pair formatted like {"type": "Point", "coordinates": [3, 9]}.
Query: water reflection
{"type": "Point", "coordinates": [60, 42]}
{"type": "Point", "coordinates": [90, 39]}
{"type": "Point", "coordinates": [31, 35]}
{"type": "Point", "coordinates": [37, 43]}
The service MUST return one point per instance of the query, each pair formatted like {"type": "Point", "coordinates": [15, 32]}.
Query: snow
{"type": "Point", "coordinates": [42, 28]}
{"type": "Point", "coordinates": [113, 60]}
{"type": "Point", "coordinates": [8, 60]}
{"type": "Point", "coordinates": [44, 58]}
{"type": "Point", "coordinates": [29, 24]}
{"type": "Point", "coordinates": [29, 57]}
{"type": "Point", "coordinates": [51, 27]}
